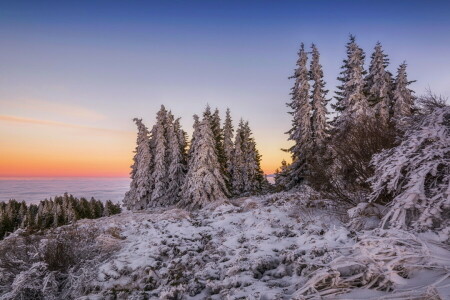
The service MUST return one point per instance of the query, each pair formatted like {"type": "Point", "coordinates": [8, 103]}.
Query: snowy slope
{"type": "Point", "coordinates": [271, 247]}
{"type": "Point", "coordinates": [259, 248]}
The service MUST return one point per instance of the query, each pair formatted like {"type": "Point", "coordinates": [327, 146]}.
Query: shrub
{"type": "Point", "coordinates": [415, 175]}
{"type": "Point", "coordinates": [341, 170]}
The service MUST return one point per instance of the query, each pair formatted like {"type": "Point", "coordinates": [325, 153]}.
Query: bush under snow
{"type": "Point", "coordinates": [417, 175]}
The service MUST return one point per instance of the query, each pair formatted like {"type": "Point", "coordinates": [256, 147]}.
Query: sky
{"type": "Point", "coordinates": [73, 75]}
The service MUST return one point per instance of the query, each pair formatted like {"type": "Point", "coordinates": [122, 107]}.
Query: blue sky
{"type": "Point", "coordinates": [101, 63]}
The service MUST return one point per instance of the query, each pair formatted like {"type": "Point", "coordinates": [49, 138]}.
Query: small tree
{"type": "Point", "coordinates": [280, 175]}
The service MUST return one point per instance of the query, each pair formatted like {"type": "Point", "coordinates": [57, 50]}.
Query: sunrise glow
{"type": "Point", "coordinates": [74, 77]}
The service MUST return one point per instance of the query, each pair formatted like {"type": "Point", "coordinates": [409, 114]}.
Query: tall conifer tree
{"type": "Point", "coordinates": [403, 97]}
{"type": "Point", "coordinates": [160, 166]}
{"type": "Point", "coordinates": [195, 132]}
{"type": "Point", "coordinates": [300, 133]}
{"type": "Point", "coordinates": [319, 123]}
{"type": "Point", "coordinates": [238, 169]}
{"type": "Point", "coordinates": [141, 181]}
{"type": "Point", "coordinates": [218, 137]}
{"type": "Point", "coordinates": [351, 102]}
{"type": "Point", "coordinates": [176, 167]}
{"type": "Point", "coordinates": [379, 85]}
{"type": "Point", "coordinates": [204, 181]}
{"type": "Point", "coordinates": [228, 142]}
{"type": "Point", "coordinates": [252, 163]}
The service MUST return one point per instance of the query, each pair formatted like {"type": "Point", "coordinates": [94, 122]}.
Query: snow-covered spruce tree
{"type": "Point", "coordinates": [403, 97]}
{"type": "Point", "coordinates": [280, 175]}
{"type": "Point", "coordinates": [252, 163]}
{"type": "Point", "coordinates": [176, 168]}
{"type": "Point", "coordinates": [300, 133]}
{"type": "Point", "coordinates": [182, 140]}
{"type": "Point", "coordinates": [378, 85]}
{"type": "Point", "coordinates": [319, 125]}
{"type": "Point", "coordinates": [416, 174]}
{"type": "Point", "coordinates": [218, 137]}
{"type": "Point", "coordinates": [228, 142]}
{"type": "Point", "coordinates": [238, 164]}
{"type": "Point", "coordinates": [141, 181]}
{"type": "Point", "coordinates": [350, 100]}
{"type": "Point", "coordinates": [207, 113]}
{"type": "Point", "coordinates": [160, 165]}
{"type": "Point", "coordinates": [196, 131]}
{"type": "Point", "coordinates": [204, 180]}
{"type": "Point", "coordinates": [247, 175]}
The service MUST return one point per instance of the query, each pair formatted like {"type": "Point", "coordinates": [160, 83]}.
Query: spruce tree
{"type": "Point", "coordinates": [176, 169]}
{"type": "Point", "coordinates": [238, 163]}
{"type": "Point", "coordinates": [281, 175]}
{"type": "Point", "coordinates": [254, 176]}
{"type": "Point", "coordinates": [182, 140]}
{"type": "Point", "coordinates": [300, 133]}
{"type": "Point", "coordinates": [207, 114]}
{"type": "Point", "coordinates": [141, 182]}
{"type": "Point", "coordinates": [319, 125]}
{"type": "Point", "coordinates": [204, 181]}
{"type": "Point", "coordinates": [214, 121]}
{"type": "Point", "coordinates": [228, 143]}
{"type": "Point", "coordinates": [403, 97]}
{"type": "Point", "coordinates": [218, 137]}
{"type": "Point", "coordinates": [350, 99]}
{"type": "Point", "coordinates": [195, 132]}
{"type": "Point", "coordinates": [378, 85]}
{"type": "Point", "coordinates": [160, 165]}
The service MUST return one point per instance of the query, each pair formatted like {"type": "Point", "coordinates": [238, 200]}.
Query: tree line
{"type": "Point", "coordinates": [61, 210]}
{"type": "Point", "coordinates": [214, 164]}
{"type": "Point", "coordinates": [333, 154]}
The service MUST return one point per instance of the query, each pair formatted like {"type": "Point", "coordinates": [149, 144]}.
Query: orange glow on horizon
{"type": "Point", "coordinates": [69, 165]}
{"type": "Point", "coordinates": [20, 164]}
{"type": "Point", "coordinates": [47, 167]}
{"type": "Point", "coordinates": [39, 148]}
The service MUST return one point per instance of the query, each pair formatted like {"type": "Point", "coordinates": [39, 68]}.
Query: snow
{"type": "Point", "coordinates": [235, 247]}
{"type": "Point", "coordinates": [278, 246]}
{"type": "Point", "coordinates": [416, 174]}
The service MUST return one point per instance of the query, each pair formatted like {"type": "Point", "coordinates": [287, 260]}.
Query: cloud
{"type": "Point", "coordinates": [54, 107]}
{"type": "Point", "coordinates": [15, 119]}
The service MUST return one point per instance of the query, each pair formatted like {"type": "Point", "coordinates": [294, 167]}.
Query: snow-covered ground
{"type": "Point", "coordinates": [269, 247]}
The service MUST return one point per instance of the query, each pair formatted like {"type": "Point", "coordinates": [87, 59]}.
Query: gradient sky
{"type": "Point", "coordinates": [73, 75]}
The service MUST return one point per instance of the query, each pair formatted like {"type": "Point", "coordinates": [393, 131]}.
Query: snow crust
{"type": "Point", "coordinates": [280, 246]}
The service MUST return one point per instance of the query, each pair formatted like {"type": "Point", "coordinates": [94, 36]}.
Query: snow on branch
{"type": "Point", "coordinates": [417, 172]}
